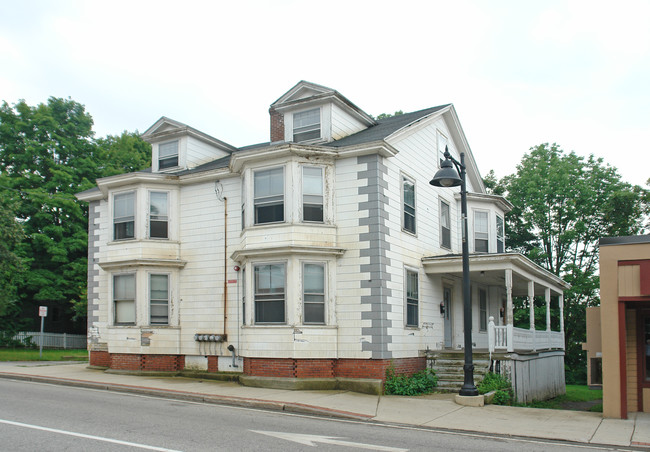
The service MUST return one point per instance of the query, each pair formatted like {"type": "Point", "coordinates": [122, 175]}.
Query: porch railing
{"type": "Point", "coordinates": [509, 338]}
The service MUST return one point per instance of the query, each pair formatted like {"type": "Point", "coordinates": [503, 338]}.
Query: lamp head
{"type": "Point", "coordinates": [446, 176]}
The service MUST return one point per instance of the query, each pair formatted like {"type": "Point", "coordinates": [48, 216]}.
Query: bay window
{"type": "Point", "coordinates": [158, 219]}
{"type": "Point", "coordinates": [124, 216]}
{"type": "Point", "coordinates": [269, 195]}
{"type": "Point", "coordinates": [124, 299]}
{"type": "Point", "coordinates": [481, 231]}
{"type": "Point", "coordinates": [269, 293]}
{"type": "Point", "coordinates": [159, 299]}
{"type": "Point", "coordinates": [312, 194]}
{"type": "Point", "coordinates": [313, 284]}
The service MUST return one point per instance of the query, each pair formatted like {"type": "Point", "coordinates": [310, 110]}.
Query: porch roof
{"type": "Point", "coordinates": [490, 268]}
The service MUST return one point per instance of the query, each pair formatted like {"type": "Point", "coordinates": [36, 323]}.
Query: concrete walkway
{"type": "Point", "coordinates": [434, 411]}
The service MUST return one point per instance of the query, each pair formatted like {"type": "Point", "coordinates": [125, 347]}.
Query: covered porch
{"type": "Point", "coordinates": [496, 281]}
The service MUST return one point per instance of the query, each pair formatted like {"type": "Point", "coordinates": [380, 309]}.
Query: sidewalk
{"type": "Point", "coordinates": [434, 411]}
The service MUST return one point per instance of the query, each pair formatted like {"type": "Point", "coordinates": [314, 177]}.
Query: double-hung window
{"type": "Point", "coordinates": [269, 195]}
{"type": "Point", "coordinates": [482, 306]}
{"type": "Point", "coordinates": [313, 293]}
{"type": "Point", "coordinates": [312, 194]}
{"type": "Point", "coordinates": [306, 125]}
{"type": "Point", "coordinates": [158, 219]}
{"type": "Point", "coordinates": [159, 299]}
{"type": "Point", "coordinates": [481, 231]}
{"type": "Point", "coordinates": [168, 155]}
{"type": "Point", "coordinates": [124, 216]}
{"type": "Point", "coordinates": [269, 293]}
{"type": "Point", "coordinates": [124, 299]}
{"type": "Point", "coordinates": [445, 226]}
{"type": "Point", "coordinates": [442, 146]}
{"type": "Point", "coordinates": [500, 235]}
{"type": "Point", "coordinates": [408, 205]}
{"type": "Point", "coordinates": [412, 298]}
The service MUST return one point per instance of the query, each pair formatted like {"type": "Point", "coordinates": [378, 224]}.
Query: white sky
{"type": "Point", "coordinates": [520, 73]}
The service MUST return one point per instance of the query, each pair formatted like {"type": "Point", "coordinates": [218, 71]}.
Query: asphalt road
{"type": "Point", "coordinates": [42, 417]}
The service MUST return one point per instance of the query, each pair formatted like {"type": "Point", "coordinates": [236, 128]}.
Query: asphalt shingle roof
{"type": "Point", "coordinates": [384, 128]}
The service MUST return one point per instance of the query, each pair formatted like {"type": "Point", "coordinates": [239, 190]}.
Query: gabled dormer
{"type": "Point", "coordinates": [311, 113]}
{"type": "Point", "coordinates": [176, 146]}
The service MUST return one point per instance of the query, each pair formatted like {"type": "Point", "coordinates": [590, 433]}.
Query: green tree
{"type": "Point", "coordinates": [563, 204]}
{"type": "Point", "coordinates": [47, 154]}
{"type": "Point", "coordinates": [388, 115]}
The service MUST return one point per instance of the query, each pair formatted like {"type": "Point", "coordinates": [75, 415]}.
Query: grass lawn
{"type": "Point", "coordinates": [31, 354]}
{"type": "Point", "coordinates": [577, 397]}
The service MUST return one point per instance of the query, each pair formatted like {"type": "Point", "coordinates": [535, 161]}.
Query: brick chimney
{"type": "Point", "coordinates": [277, 125]}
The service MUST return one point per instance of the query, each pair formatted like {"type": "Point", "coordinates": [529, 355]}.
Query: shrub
{"type": "Point", "coordinates": [421, 382]}
{"type": "Point", "coordinates": [500, 385]}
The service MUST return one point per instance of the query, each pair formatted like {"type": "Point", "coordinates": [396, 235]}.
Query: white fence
{"type": "Point", "coordinates": [53, 340]}
{"type": "Point", "coordinates": [508, 338]}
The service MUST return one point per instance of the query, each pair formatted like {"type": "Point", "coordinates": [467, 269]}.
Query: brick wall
{"type": "Point", "coordinates": [100, 358]}
{"type": "Point", "coordinates": [126, 361]}
{"type": "Point", "coordinates": [330, 368]}
{"type": "Point", "coordinates": [166, 363]}
{"type": "Point", "coordinates": [277, 126]}
{"type": "Point", "coordinates": [213, 364]}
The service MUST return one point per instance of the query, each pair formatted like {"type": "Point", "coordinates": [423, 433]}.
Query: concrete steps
{"type": "Point", "coordinates": [449, 368]}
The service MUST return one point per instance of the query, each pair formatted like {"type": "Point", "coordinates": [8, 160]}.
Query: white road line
{"type": "Point", "coordinates": [82, 435]}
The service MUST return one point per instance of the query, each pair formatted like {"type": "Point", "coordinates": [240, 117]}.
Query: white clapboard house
{"type": "Point", "coordinates": [324, 253]}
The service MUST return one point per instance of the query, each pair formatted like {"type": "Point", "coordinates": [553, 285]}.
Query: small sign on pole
{"type": "Point", "coordinates": [42, 313]}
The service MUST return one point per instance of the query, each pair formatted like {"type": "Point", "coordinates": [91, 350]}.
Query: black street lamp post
{"type": "Point", "coordinates": [447, 176]}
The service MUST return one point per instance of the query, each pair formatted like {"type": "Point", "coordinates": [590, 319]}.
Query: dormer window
{"type": "Point", "coordinates": [306, 125]}
{"type": "Point", "coordinates": [168, 154]}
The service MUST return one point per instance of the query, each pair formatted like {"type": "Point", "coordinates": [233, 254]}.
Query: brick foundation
{"type": "Point", "coordinates": [267, 367]}
{"type": "Point", "coordinates": [100, 359]}
{"type": "Point", "coordinates": [330, 368]}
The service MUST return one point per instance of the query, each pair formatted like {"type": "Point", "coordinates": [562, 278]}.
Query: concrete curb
{"type": "Point", "coordinates": [192, 396]}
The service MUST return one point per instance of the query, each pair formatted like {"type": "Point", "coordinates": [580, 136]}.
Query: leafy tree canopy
{"type": "Point", "coordinates": [388, 115]}
{"type": "Point", "coordinates": [47, 154]}
{"type": "Point", "coordinates": [563, 204]}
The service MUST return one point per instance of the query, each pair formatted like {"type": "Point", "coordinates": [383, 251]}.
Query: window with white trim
{"type": "Point", "coordinates": [124, 216]}
{"type": "Point", "coordinates": [124, 299]}
{"type": "Point", "coordinates": [158, 217]}
{"type": "Point", "coordinates": [168, 154]}
{"type": "Point", "coordinates": [312, 194]}
{"type": "Point", "coordinates": [481, 231]}
{"type": "Point", "coordinates": [482, 307]}
{"type": "Point", "coordinates": [269, 195]}
{"type": "Point", "coordinates": [445, 226]}
{"type": "Point", "coordinates": [442, 145]}
{"type": "Point", "coordinates": [412, 298]}
{"type": "Point", "coordinates": [408, 205]}
{"type": "Point", "coordinates": [306, 125]}
{"type": "Point", "coordinates": [159, 299]}
{"type": "Point", "coordinates": [313, 293]}
{"type": "Point", "coordinates": [501, 234]}
{"type": "Point", "coordinates": [269, 293]}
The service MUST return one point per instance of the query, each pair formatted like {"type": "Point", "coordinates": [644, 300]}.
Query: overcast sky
{"type": "Point", "coordinates": [520, 73]}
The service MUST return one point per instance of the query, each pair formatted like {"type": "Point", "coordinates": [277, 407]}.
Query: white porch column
{"type": "Point", "coordinates": [509, 315]}
{"type": "Point", "coordinates": [561, 301]}
{"type": "Point", "coordinates": [547, 295]}
{"type": "Point", "coordinates": [531, 303]}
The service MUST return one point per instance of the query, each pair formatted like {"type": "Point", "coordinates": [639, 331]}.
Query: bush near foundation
{"type": "Point", "coordinates": [501, 385]}
{"type": "Point", "coordinates": [421, 382]}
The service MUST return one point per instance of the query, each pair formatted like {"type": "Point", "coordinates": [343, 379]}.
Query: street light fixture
{"type": "Point", "coordinates": [446, 177]}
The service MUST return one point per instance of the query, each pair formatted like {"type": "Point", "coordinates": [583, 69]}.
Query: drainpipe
{"type": "Point", "coordinates": [218, 189]}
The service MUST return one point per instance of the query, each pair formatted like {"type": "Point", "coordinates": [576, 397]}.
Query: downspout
{"type": "Point", "coordinates": [218, 189]}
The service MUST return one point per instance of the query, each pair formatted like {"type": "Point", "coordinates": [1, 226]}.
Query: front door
{"type": "Point", "coordinates": [446, 297]}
